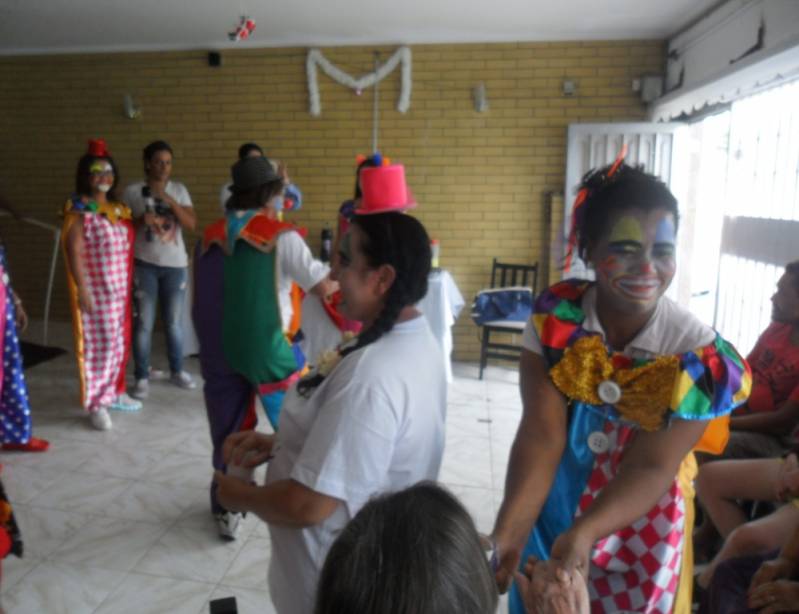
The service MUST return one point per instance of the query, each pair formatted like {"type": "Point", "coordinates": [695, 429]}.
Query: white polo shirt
{"type": "Point", "coordinates": [672, 329]}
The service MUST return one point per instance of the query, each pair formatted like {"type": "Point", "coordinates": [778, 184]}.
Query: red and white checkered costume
{"type": "Point", "coordinates": [107, 268]}
{"type": "Point", "coordinates": [637, 568]}
{"type": "Point", "coordinates": [102, 337]}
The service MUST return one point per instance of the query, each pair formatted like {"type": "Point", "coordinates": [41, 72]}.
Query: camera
{"type": "Point", "coordinates": [156, 206]}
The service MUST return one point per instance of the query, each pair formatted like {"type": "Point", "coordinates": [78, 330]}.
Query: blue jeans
{"type": "Point", "coordinates": [153, 283]}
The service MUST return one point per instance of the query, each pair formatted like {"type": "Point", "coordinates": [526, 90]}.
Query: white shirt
{"type": "Point", "coordinates": [374, 425]}
{"type": "Point", "coordinates": [672, 329]}
{"type": "Point", "coordinates": [295, 263]}
{"type": "Point", "coordinates": [171, 253]}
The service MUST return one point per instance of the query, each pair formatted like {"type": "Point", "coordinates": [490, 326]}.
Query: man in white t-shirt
{"type": "Point", "coordinates": [161, 209]}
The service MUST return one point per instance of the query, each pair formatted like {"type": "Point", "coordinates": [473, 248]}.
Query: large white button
{"type": "Point", "coordinates": [598, 442]}
{"type": "Point", "coordinates": [609, 392]}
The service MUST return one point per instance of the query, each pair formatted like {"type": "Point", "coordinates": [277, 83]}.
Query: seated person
{"type": "Point", "coordinates": [431, 561]}
{"type": "Point", "coordinates": [721, 485]}
{"type": "Point", "coordinates": [410, 552]}
{"type": "Point", "coordinates": [764, 583]}
{"type": "Point", "coordinates": [763, 427]}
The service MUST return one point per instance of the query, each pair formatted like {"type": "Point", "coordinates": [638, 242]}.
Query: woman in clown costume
{"type": "Point", "coordinates": [15, 413]}
{"type": "Point", "coordinates": [619, 384]}
{"type": "Point", "coordinates": [98, 245]}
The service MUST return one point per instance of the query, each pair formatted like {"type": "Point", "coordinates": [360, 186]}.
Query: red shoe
{"type": "Point", "coordinates": [34, 445]}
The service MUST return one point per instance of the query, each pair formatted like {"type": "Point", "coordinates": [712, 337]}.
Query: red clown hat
{"type": "Point", "coordinates": [384, 190]}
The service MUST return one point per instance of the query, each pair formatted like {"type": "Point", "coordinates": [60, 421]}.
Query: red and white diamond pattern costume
{"type": "Point", "coordinates": [107, 262]}
{"type": "Point", "coordinates": [637, 568]}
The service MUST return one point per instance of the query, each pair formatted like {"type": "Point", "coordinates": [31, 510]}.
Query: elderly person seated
{"type": "Point", "coordinates": [417, 551]}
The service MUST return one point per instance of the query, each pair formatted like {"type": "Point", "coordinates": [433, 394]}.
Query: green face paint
{"type": "Point", "coordinates": [626, 229]}
{"type": "Point", "coordinates": [99, 167]}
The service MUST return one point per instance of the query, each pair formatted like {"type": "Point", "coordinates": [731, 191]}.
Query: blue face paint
{"type": "Point", "coordinates": [665, 231]}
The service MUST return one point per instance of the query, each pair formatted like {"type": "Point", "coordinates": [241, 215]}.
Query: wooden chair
{"type": "Point", "coordinates": [505, 275]}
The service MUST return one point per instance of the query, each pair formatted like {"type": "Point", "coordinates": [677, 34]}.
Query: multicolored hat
{"type": "Point", "coordinates": [384, 190]}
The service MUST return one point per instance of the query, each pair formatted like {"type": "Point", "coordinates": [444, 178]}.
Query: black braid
{"type": "Point", "coordinates": [401, 241]}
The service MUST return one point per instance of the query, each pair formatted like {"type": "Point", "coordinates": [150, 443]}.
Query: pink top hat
{"type": "Point", "coordinates": [384, 190]}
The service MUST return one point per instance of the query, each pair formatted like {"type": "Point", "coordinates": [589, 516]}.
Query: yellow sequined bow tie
{"type": "Point", "coordinates": [641, 394]}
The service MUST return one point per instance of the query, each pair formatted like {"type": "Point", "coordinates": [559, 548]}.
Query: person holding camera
{"type": "Point", "coordinates": [161, 209]}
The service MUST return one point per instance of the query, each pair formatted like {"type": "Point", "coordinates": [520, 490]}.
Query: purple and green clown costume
{"type": "Point", "coordinates": [639, 568]}
{"type": "Point", "coordinates": [244, 351]}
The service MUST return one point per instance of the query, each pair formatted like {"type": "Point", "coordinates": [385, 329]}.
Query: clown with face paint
{"type": "Point", "coordinates": [248, 269]}
{"type": "Point", "coordinates": [98, 248]}
{"type": "Point", "coordinates": [619, 384]}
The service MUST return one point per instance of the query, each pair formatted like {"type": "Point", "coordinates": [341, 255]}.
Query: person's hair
{"type": "Point", "coordinates": [246, 148]}
{"type": "Point", "coordinates": [254, 198]}
{"type": "Point", "coordinates": [372, 161]}
{"type": "Point", "coordinates": [411, 552]}
{"type": "Point", "coordinates": [153, 148]}
{"type": "Point", "coordinates": [82, 174]}
{"type": "Point", "coordinates": [628, 188]}
{"type": "Point", "coordinates": [793, 269]}
{"type": "Point", "coordinates": [398, 240]}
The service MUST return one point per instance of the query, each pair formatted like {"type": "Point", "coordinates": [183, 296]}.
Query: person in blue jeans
{"type": "Point", "coordinates": [161, 209]}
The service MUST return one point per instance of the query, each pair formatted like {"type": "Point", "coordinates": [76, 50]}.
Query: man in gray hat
{"type": "Point", "coordinates": [245, 267]}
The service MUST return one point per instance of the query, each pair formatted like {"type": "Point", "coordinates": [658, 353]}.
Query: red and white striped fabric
{"type": "Point", "coordinates": [107, 254]}
{"type": "Point", "coordinates": [636, 569]}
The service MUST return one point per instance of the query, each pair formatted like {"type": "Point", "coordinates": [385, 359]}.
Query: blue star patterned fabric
{"type": "Point", "coordinates": [15, 413]}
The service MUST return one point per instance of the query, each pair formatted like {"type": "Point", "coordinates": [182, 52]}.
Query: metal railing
{"type": "Point", "coordinates": [56, 232]}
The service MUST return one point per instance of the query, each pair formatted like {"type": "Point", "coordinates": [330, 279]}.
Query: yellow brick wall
{"type": "Point", "coordinates": [483, 179]}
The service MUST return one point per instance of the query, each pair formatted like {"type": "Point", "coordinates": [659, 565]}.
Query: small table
{"type": "Point", "coordinates": [441, 306]}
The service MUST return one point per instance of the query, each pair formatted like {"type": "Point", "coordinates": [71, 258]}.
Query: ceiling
{"type": "Point", "coordinates": [69, 26]}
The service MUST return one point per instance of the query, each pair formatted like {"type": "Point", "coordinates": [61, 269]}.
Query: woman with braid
{"type": "Point", "coordinates": [370, 419]}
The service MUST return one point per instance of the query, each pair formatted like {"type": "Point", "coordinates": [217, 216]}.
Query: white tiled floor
{"type": "Point", "coordinates": [119, 522]}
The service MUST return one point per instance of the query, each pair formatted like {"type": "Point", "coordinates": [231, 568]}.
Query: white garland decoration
{"type": "Point", "coordinates": [401, 55]}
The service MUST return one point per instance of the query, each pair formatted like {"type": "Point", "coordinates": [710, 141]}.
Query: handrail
{"type": "Point", "coordinates": [53, 260]}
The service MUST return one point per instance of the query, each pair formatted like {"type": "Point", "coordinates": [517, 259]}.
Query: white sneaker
{"type": "Point", "coordinates": [183, 380]}
{"type": "Point", "coordinates": [141, 390]}
{"type": "Point", "coordinates": [100, 419]}
{"type": "Point", "coordinates": [228, 524]}
{"type": "Point", "coordinates": [124, 402]}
